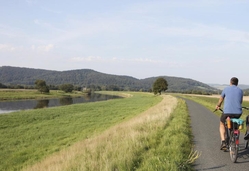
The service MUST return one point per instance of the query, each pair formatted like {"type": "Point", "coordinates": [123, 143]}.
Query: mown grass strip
{"type": "Point", "coordinates": [29, 136]}
{"type": "Point", "coordinates": [170, 147]}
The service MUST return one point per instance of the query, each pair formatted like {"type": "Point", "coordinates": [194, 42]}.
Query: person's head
{"type": "Point", "coordinates": [234, 81]}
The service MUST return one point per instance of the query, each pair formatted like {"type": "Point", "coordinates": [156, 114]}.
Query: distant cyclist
{"type": "Point", "coordinates": [233, 97]}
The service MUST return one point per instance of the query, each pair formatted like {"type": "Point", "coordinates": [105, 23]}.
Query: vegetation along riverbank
{"type": "Point", "coordinates": [19, 94]}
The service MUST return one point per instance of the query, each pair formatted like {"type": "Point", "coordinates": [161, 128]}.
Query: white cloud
{"type": "Point", "coordinates": [144, 60]}
{"type": "Point", "coordinates": [50, 10]}
{"type": "Point", "coordinates": [89, 58]}
{"type": "Point", "coordinates": [217, 60]}
{"type": "Point", "coordinates": [207, 32]}
{"type": "Point", "coordinates": [48, 26]}
{"type": "Point", "coordinates": [100, 59]}
{"type": "Point", "coordinates": [5, 47]}
{"type": "Point", "coordinates": [45, 48]}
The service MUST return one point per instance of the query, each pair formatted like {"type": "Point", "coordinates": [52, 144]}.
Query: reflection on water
{"type": "Point", "coordinates": [41, 104]}
{"type": "Point", "coordinates": [66, 101]}
{"type": "Point", "coordinates": [11, 106]}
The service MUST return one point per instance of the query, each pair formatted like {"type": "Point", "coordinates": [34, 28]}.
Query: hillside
{"type": "Point", "coordinates": [86, 77]}
{"type": "Point", "coordinates": [222, 86]}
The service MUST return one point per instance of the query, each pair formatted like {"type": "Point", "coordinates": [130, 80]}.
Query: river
{"type": "Point", "coordinates": [12, 106]}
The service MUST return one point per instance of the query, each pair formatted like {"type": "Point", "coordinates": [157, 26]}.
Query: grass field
{"type": "Point", "coordinates": [142, 132]}
{"type": "Point", "coordinates": [29, 136]}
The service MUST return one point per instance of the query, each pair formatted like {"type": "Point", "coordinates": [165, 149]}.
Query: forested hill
{"type": "Point", "coordinates": [86, 77]}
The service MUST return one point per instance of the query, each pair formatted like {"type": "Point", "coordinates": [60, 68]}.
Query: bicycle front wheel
{"type": "Point", "coordinates": [233, 150]}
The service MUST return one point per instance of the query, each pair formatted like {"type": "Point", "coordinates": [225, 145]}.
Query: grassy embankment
{"type": "Point", "coordinates": [18, 94]}
{"type": "Point", "coordinates": [107, 135]}
{"type": "Point", "coordinates": [210, 103]}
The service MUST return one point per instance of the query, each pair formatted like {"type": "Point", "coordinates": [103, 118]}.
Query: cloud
{"type": "Point", "coordinates": [143, 60]}
{"type": "Point", "coordinates": [47, 26]}
{"type": "Point", "coordinates": [45, 48]}
{"type": "Point", "coordinates": [98, 59]}
{"type": "Point", "coordinates": [207, 32]}
{"type": "Point", "coordinates": [89, 58]}
{"type": "Point", "coordinates": [5, 47]}
{"type": "Point", "coordinates": [50, 10]}
{"type": "Point", "coordinates": [217, 60]}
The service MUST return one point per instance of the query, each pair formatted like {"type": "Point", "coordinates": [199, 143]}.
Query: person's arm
{"type": "Point", "coordinates": [219, 103]}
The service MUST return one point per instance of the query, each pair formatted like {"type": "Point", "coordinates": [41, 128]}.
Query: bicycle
{"type": "Point", "coordinates": [247, 119]}
{"type": "Point", "coordinates": [232, 136]}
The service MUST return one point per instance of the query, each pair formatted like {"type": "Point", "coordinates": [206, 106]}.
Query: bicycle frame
{"type": "Point", "coordinates": [232, 139]}
{"type": "Point", "coordinates": [230, 133]}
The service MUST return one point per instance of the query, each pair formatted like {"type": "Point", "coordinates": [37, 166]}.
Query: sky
{"type": "Point", "coordinates": [204, 40]}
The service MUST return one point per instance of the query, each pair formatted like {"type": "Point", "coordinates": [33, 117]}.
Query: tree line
{"type": "Point", "coordinates": [159, 86]}
{"type": "Point", "coordinates": [85, 78]}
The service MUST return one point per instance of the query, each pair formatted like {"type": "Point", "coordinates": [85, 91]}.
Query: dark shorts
{"type": "Point", "coordinates": [224, 117]}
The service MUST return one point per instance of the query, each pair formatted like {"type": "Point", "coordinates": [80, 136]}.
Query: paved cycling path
{"type": "Point", "coordinates": [205, 127]}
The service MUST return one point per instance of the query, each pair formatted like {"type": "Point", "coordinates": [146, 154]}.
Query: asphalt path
{"type": "Point", "coordinates": [205, 128]}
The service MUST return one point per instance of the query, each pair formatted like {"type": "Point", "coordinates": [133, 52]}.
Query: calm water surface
{"type": "Point", "coordinates": [12, 106]}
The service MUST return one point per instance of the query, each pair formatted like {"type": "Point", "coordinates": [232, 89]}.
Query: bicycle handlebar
{"type": "Point", "coordinates": [243, 107]}
{"type": "Point", "coordinates": [219, 109]}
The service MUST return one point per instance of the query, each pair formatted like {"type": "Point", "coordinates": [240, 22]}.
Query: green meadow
{"type": "Point", "coordinates": [153, 141]}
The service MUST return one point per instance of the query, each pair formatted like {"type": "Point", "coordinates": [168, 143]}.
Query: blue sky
{"type": "Point", "coordinates": [205, 40]}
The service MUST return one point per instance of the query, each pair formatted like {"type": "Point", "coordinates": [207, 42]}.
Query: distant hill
{"type": "Point", "coordinates": [87, 77]}
{"type": "Point", "coordinates": [222, 86]}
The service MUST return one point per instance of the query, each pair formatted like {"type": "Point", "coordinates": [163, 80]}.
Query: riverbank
{"type": "Point", "coordinates": [20, 94]}
{"type": "Point", "coordinates": [122, 134]}
{"type": "Point", "coordinates": [142, 142]}
{"type": "Point", "coordinates": [29, 136]}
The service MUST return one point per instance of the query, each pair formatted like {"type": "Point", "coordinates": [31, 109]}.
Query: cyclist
{"type": "Point", "coordinates": [233, 97]}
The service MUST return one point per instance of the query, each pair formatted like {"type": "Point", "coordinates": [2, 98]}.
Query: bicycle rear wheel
{"type": "Point", "coordinates": [233, 149]}
{"type": "Point", "coordinates": [246, 144]}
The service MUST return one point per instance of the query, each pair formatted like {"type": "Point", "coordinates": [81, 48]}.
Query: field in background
{"type": "Point", "coordinates": [18, 94]}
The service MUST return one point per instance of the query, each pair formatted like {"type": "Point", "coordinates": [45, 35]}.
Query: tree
{"type": "Point", "coordinates": [67, 88]}
{"type": "Point", "coordinates": [160, 85]}
{"type": "Point", "coordinates": [2, 85]}
{"type": "Point", "coordinates": [41, 86]}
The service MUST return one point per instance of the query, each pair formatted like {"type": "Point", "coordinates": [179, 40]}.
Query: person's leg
{"type": "Point", "coordinates": [222, 131]}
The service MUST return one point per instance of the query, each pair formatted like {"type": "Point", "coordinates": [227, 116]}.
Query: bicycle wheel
{"type": "Point", "coordinates": [246, 144]}
{"type": "Point", "coordinates": [233, 148]}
